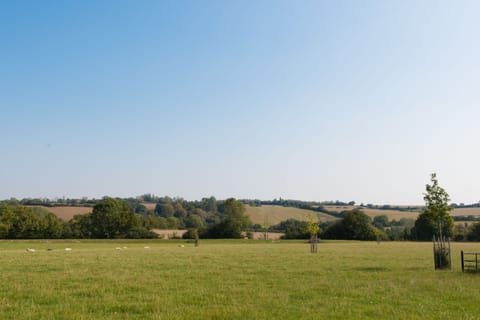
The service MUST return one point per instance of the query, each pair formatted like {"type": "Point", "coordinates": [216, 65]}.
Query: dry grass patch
{"type": "Point", "coordinates": [149, 205]}
{"type": "Point", "coordinates": [66, 213]}
{"type": "Point", "coordinates": [276, 214]}
{"type": "Point", "coordinates": [465, 212]}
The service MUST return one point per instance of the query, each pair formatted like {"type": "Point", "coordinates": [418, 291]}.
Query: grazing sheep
{"type": "Point", "coordinates": [147, 247]}
{"type": "Point", "coordinates": [181, 245]}
{"type": "Point", "coordinates": [31, 250]}
{"type": "Point", "coordinates": [118, 248]}
{"type": "Point", "coordinates": [68, 249]}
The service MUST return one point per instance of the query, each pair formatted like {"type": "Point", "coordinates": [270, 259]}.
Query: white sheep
{"type": "Point", "coordinates": [68, 249]}
{"type": "Point", "coordinates": [31, 250]}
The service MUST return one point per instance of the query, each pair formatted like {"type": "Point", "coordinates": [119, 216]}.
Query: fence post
{"type": "Point", "coordinates": [463, 264]}
{"type": "Point", "coordinates": [476, 262]}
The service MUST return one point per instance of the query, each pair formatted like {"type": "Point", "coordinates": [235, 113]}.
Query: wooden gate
{"type": "Point", "coordinates": [470, 261]}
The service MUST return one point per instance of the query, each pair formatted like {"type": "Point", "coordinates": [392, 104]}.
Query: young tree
{"type": "Point", "coordinates": [312, 226]}
{"type": "Point", "coordinates": [435, 219]}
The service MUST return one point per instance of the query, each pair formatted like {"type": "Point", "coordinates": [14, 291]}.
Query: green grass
{"type": "Point", "coordinates": [242, 279]}
{"type": "Point", "coordinates": [276, 214]}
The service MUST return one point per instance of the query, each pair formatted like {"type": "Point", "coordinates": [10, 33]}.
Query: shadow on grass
{"type": "Point", "coordinates": [372, 269]}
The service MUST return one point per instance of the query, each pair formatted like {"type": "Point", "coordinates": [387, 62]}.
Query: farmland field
{"type": "Point", "coordinates": [465, 212]}
{"type": "Point", "coordinates": [66, 213]}
{"type": "Point", "coordinates": [276, 214]}
{"type": "Point", "coordinates": [391, 214]}
{"type": "Point", "coordinates": [232, 279]}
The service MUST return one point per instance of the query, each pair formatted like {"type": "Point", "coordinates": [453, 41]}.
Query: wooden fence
{"type": "Point", "coordinates": [470, 261]}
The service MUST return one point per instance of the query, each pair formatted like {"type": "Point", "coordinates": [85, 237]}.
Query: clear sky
{"type": "Point", "coordinates": [310, 100]}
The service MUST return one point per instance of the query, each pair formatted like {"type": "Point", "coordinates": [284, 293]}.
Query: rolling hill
{"type": "Point", "coordinates": [276, 214]}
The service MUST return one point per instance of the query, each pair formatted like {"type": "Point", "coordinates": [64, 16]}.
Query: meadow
{"type": "Point", "coordinates": [232, 279]}
{"type": "Point", "coordinates": [277, 214]}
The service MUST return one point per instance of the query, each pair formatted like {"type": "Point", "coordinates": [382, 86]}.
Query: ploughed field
{"type": "Point", "coordinates": [232, 279]}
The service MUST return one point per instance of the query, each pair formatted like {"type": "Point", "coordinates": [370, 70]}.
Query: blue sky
{"type": "Point", "coordinates": [310, 100]}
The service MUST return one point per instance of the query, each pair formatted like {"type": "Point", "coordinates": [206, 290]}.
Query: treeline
{"type": "Point", "coordinates": [110, 218]}
{"type": "Point", "coordinates": [84, 202]}
{"type": "Point", "coordinates": [352, 225]}
{"type": "Point", "coordinates": [356, 225]}
{"type": "Point", "coordinates": [117, 218]}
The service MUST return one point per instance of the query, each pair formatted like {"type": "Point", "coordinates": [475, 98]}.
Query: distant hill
{"type": "Point", "coordinates": [276, 214]}
{"type": "Point", "coordinates": [391, 214]}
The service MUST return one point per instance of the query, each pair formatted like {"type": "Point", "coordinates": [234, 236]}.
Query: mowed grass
{"type": "Point", "coordinates": [275, 214]}
{"type": "Point", "coordinates": [242, 279]}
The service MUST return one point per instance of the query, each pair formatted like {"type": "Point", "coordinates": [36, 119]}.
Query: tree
{"type": "Point", "coordinates": [312, 226]}
{"type": "Point", "coordinates": [474, 232]}
{"type": "Point", "coordinates": [380, 221]}
{"type": "Point", "coordinates": [234, 222]}
{"type": "Point", "coordinates": [80, 226]}
{"type": "Point", "coordinates": [355, 225]}
{"type": "Point", "coordinates": [165, 210]}
{"type": "Point", "coordinates": [211, 205]}
{"type": "Point", "coordinates": [195, 222]}
{"type": "Point", "coordinates": [294, 229]}
{"type": "Point", "coordinates": [112, 218]}
{"type": "Point", "coordinates": [435, 219]}
{"type": "Point", "coordinates": [180, 212]}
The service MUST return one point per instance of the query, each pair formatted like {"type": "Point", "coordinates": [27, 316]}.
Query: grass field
{"type": "Point", "coordinates": [466, 212]}
{"type": "Point", "coordinates": [391, 214]}
{"type": "Point", "coordinates": [66, 213]}
{"type": "Point", "coordinates": [238, 279]}
{"type": "Point", "coordinates": [276, 214]}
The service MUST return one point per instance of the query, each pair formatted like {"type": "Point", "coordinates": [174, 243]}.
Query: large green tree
{"type": "Point", "coordinates": [435, 218]}
{"type": "Point", "coordinates": [113, 218]}
{"type": "Point", "coordinates": [19, 222]}
{"type": "Point", "coordinates": [234, 222]}
{"type": "Point", "coordinates": [355, 225]}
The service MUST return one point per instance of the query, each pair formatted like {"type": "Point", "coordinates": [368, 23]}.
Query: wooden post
{"type": "Point", "coordinates": [463, 263]}
{"type": "Point", "coordinates": [476, 262]}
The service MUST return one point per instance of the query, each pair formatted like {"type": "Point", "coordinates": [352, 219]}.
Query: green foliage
{"type": "Point", "coordinates": [293, 229]}
{"type": "Point", "coordinates": [195, 221]}
{"type": "Point", "coordinates": [380, 222]}
{"type": "Point", "coordinates": [112, 218]}
{"type": "Point", "coordinates": [435, 219]}
{"type": "Point", "coordinates": [211, 205]}
{"type": "Point", "coordinates": [191, 233]}
{"type": "Point", "coordinates": [165, 210]}
{"type": "Point", "coordinates": [19, 222]}
{"type": "Point", "coordinates": [234, 221]}
{"type": "Point", "coordinates": [81, 226]}
{"type": "Point", "coordinates": [355, 225]}
{"type": "Point", "coordinates": [312, 226]}
{"type": "Point", "coordinates": [474, 232]}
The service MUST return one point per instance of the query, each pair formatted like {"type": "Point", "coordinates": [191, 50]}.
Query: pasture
{"type": "Point", "coordinates": [66, 213]}
{"type": "Point", "coordinates": [391, 214]}
{"type": "Point", "coordinates": [232, 279]}
{"type": "Point", "coordinates": [277, 214]}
